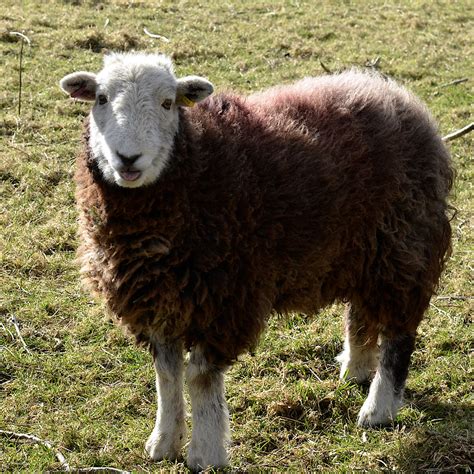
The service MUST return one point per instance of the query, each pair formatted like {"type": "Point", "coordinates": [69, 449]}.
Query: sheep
{"type": "Point", "coordinates": [195, 223]}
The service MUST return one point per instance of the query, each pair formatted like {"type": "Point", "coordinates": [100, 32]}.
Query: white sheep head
{"type": "Point", "coordinates": [135, 115]}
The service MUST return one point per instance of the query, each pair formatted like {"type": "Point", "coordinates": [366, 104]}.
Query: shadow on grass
{"type": "Point", "coordinates": [446, 446]}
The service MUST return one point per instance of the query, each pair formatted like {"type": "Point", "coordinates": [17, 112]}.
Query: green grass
{"type": "Point", "coordinates": [84, 386]}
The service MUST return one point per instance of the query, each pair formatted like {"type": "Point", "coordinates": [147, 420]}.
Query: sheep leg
{"type": "Point", "coordinates": [168, 436]}
{"type": "Point", "coordinates": [359, 358]}
{"type": "Point", "coordinates": [386, 390]}
{"type": "Point", "coordinates": [210, 414]}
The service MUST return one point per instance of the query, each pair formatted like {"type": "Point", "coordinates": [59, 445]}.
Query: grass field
{"type": "Point", "coordinates": [74, 379]}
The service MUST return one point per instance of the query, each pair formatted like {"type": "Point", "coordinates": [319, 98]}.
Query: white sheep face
{"type": "Point", "coordinates": [135, 115]}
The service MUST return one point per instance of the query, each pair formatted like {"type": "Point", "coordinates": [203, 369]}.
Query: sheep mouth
{"type": "Point", "coordinates": [130, 175]}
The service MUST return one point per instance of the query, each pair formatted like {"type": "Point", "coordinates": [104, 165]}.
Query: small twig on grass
{"type": "Point", "coordinates": [454, 297]}
{"type": "Point", "coordinates": [6, 330]}
{"type": "Point", "coordinates": [455, 82]}
{"type": "Point", "coordinates": [100, 469]}
{"type": "Point", "coordinates": [459, 133]}
{"type": "Point", "coordinates": [21, 150]}
{"type": "Point", "coordinates": [442, 311]}
{"type": "Point", "coordinates": [64, 464]}
{"type": "Point", "coordinates": [24, 39]}
{"type": "Point", "coordinates": [18, 333]}
{"type": "Point", "coordinates": [43, 442]}
{"type": "Point", "coordinates": [373, 63]}
{"type": "Point", "coordinates": [152, 35]}
{"type": "Point", "coordinates": [325, 67]}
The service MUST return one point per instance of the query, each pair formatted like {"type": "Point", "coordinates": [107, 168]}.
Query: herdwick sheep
{"type": "Point", "coordinates": [197, 222]}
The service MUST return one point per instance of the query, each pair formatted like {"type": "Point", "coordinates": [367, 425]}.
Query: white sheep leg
{"type": "Point", "coordinates": [386, 390]}
{"type": "Point", "coordinates": [358, 363]}
{"type": "Point", "coordinates": [210, 414]}
{"type": "Point", "coordinates": [360, 355]}
{"type": "Point", "coordinates": [382, 404]}
{"type": "Point", "coordinates": [168, 436]}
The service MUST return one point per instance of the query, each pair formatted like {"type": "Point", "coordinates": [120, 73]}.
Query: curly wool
{"type": "Point", "coordinates": [332, 188]}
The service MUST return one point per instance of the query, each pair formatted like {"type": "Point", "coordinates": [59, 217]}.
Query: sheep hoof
{"type": "Point", "coordinates": [165, 445]}
{"type": "Point", "coordinates": [200, 458]}
{"type": "Point", "coordinates": [359, 370]}
{"type": "Point", "coordinates": [377, 414]}
{"type": "Point", "coordinates": [367, 419]}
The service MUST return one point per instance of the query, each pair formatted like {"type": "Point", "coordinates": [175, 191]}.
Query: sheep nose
{"type": "Point", "coordinates": [128, 160]}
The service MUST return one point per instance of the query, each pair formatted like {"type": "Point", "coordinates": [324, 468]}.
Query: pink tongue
{"type": "Point", "coordinates": [130, 175]}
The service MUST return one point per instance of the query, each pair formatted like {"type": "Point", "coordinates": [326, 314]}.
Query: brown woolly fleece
{"type": "Point", "coordinates": [329, 189]}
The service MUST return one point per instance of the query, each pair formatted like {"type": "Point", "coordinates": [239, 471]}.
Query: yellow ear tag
{"type": "Point", "coordinates": [183, 100]}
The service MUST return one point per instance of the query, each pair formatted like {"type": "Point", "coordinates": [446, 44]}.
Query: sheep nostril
{"type": "Point", "coordinates": [129, 160]}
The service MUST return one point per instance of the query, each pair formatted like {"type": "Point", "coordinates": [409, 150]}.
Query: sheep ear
{"type": "Point", "coordinates": [79, 85]}
{"type": "Point", "coordinates": [192, 89]}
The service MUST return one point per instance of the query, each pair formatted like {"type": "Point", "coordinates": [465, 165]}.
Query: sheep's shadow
{"type": "Point", "coordinates": [440, 438]}
{"type": "Point", "coordinates": [437, 443]}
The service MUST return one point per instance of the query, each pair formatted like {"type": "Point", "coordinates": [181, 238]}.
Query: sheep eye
{"type": "Point", "coordinates": [167, 104]}
{"type": "Point", "coordinates": [102, 99]}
